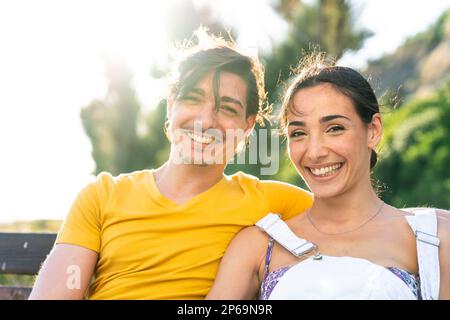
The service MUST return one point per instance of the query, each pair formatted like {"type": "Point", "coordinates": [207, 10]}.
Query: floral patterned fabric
{"type": "Point", "coordinates": [411, 280]}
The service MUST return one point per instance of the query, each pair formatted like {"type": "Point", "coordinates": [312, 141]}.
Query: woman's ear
{"type": "Point", "coordinates": [375, 131]}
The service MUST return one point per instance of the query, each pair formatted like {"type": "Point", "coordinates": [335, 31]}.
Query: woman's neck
{"type": "Point", "coordinates": [347, 208]}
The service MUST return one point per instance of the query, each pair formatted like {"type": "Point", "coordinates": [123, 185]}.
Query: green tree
{"type": "Point", "coordinates": [416, 153]}
{"type": "Point", "coordinates": [111, 123]}
{"type": "Point", "coordinates": [326, 23]}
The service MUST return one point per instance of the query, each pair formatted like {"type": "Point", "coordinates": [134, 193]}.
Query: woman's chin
{"type": "Point", "coordinates": [324, 190]}
{"type": "Point", "coordinates": [320, 193]}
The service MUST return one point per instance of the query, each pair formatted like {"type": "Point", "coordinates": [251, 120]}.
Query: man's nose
{"type": "Point", "coordinates": [208, 116]}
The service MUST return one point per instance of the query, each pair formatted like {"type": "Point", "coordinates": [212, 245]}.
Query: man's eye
{"type": "Point", "coordinates": [190, 98]}
{"type": "Point", "coordinates": [229, 110]}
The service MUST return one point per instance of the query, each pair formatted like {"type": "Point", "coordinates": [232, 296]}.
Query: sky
{"type": "Point", "coordinates": [52, 64]}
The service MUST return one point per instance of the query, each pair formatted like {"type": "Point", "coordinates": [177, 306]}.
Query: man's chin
{"type": "Point", "coordinates": [200, 162]}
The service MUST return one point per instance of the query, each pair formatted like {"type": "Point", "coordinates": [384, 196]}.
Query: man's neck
{"type": "Point", "coordinates": [180, 182]}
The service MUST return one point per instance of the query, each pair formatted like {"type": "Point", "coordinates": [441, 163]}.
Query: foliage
{"type": "Point", "coordinates": [327, 24]}
{"type": "Point", "coordinates": [111, 124]}
{"type": "Point", "coordinates": [416, 153]}
{"type": "Point", "coordinates": [31, 226]}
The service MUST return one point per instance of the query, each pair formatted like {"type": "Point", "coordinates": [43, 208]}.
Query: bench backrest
{"type": "Point", "coordinates": [22, 253]}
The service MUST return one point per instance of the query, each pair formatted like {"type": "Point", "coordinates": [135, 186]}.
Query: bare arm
{"type": "Point", "coordinates": [444, 257]}
{"type": "Point", "coordinates": [443, 213]}
{"type": "Point", "coordinates": [237, 277]}
{"type": "Point", "coordinates": [65, 274]}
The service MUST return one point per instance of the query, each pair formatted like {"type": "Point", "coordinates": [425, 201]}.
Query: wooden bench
{"type": "Point", "coordinates": [22, 253]}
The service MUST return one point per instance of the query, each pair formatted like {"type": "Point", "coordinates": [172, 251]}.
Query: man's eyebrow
{"type": "Point", "coordinates": [197, 91]}
{"type": "Point", "coordinates": [332, 117]}
{"type": "Point", "coordinates": [232, 100]}
{"type": "Point", "coordinates": [223, 99]}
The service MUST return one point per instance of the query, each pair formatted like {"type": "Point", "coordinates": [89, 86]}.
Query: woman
{"type": "Point", "coordinates": [356, 246]}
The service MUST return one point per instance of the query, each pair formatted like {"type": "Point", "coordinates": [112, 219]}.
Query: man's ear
{"type": "Point", "coordinates": [375, 131]}
{"type": "Point", "coordinates": [250, 123]}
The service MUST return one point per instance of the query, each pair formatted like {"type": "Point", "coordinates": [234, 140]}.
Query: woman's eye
{"type": "Point", "coordinates": [335, 129]}
{"type": "Point", "coordinates": [297, 134]}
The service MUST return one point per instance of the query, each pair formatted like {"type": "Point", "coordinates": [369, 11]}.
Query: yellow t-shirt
{"type": "Point", "coordinates": [153, 248]}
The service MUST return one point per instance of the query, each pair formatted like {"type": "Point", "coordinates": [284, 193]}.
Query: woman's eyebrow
{"type": "Point", "coordinates": [322, 120]}
{"type": "Point", "coordinates": [297, 123]}
{"type": "Point", "coordinates": [332, 117]}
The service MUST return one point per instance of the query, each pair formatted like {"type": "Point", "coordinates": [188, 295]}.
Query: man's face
{"type": "Point", "coordinates": [203, 133]}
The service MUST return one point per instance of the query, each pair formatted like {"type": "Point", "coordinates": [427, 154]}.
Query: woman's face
{"type": "Point", "coordinates": [203, 133]}
{"type": "Point", "coordinates": [328, 143]}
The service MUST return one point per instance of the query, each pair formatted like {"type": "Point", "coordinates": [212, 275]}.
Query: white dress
{"type": "Point", "coordinates": [348, 277]}
{"type": "Point", "coordinates": [340, 278]}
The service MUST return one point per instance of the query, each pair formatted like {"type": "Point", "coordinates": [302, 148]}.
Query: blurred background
{"type": "Point", "coordinates": [80, 83]}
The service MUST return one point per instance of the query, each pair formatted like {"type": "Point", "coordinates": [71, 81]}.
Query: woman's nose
{"type": "Point", "coordinates": [316, 149]}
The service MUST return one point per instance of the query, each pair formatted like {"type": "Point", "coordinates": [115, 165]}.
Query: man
{"type": "Point", "coordinates": [160, 234]}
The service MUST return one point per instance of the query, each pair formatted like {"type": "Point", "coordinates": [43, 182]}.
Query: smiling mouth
{"type": "Point", "coordinates": [326, 170]}
{"type": "Point", "coordinates": [204, 138]}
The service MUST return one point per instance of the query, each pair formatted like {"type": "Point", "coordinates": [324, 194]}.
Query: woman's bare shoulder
{"type": "Point", "coordinates": [444, 214]}
{"type": "Point", "coordinates": [252, 236]}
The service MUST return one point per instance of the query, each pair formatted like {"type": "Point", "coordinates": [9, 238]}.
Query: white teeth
{"type": "Point", "coordinates": [200, 138]}
{"type": "Point", "coordinates": [325, 171]}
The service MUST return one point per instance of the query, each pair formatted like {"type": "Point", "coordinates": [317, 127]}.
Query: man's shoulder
{"type": "Point", "coordinates": [107, 181]}
{"type": "Point", "coordinates": [269, 186]}
{"type": "Point", "coordinates": [274, 186]}
{"type": "Point", "coordinates": [243, 177]}
{"type": "Point", "coordinates": [133, 176]}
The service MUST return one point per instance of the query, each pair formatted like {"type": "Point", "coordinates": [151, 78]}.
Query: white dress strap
{"type": "Point", "coordinates": [424, 225]}
{"type": "Point", "coordinates": [281, 233]}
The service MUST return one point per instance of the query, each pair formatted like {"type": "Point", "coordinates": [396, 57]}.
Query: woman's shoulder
{"type": "Point", "coordinates": [443, 214]}
{"type": "Point", "coordinates": [252, 235]}
{"type": "Point", "coordinates": [443, 221]}
{"type": "Point", "coordinates": [250, 245]}
{"type": "Point", "coordinates": [443, 225]}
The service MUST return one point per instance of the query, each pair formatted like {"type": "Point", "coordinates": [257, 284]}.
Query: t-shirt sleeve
{"type": "Point", "coordinates": [83, 223]}
{"type": "Point", "coordinates": [286, 199]}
